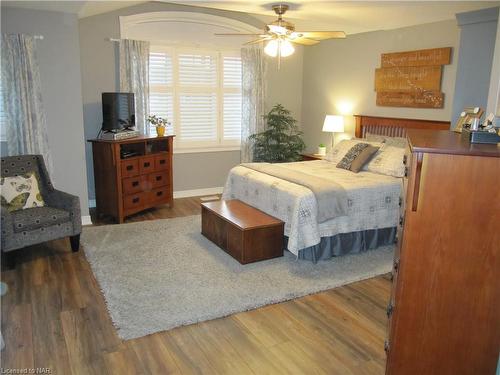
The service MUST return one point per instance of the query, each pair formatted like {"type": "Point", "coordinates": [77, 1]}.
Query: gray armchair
{"type": "Point", "coordinates": [60, 217]}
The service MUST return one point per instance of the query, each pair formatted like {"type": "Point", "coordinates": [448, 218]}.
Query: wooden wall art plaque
{"type": "Point", "coordinates": [429, 99]}
{"type": "Point", "coordinates": [408, 78]}
{"type": "Point", "coordinates": [412, 78]}
{"type": "Point", "coordinates": [424, 57]}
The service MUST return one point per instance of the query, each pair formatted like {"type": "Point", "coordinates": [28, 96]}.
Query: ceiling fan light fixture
{"type": "Point", "coordinates": [271, 48]}
{"type": "Point", "coordinates": [286, 48]}
{"type": "Point", "coordinates": [283, 46]}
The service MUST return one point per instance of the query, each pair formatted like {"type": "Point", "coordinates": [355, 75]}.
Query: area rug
{"type": "Point", "coordinates": [157, 275]}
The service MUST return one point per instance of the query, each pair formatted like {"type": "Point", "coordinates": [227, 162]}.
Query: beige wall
{"type": "Point", "coordinates": [338, 76]}
{"type": "Point", "coordinates": [99, 65]}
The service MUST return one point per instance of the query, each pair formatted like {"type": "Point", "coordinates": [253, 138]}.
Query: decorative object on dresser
{"type": "Point", "coordinates": [467, 116]}
{"type": "Point", "coordinates": [36, 217]}
{"type": "Point", "coordinates": [445, 305]}
{"type": "Point", "coordinates": [321, 149]}
{"type": "Point", "coordinates": [160, 123]}
{"type": "Point", "coordinates": [411, 79]}
{"type": "Point", "coordinates": [132, 175]}
{"type": "Point", "coordinates": [245, 233]}
{"type": "Point", "coordinates": [333, 124]}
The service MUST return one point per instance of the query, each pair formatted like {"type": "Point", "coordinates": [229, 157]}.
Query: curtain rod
{"type": "Point", "coordinates": [37, 37]}
{"type": "Point", "coordinates": [113, 40]}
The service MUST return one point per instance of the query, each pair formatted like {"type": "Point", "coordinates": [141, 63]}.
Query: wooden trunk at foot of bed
{"type": "Point", "coordinates": [394, 127]}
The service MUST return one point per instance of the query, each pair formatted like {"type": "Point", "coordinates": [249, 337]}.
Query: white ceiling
{"type": "Point", "coordinates": [350, 16]}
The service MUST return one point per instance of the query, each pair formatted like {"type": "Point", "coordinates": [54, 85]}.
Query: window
{"type": "Point", "coordinates": [199, 91]}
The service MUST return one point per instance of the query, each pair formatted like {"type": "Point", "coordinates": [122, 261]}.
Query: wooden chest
{"type": "Point", "coordinates": [245, 233]}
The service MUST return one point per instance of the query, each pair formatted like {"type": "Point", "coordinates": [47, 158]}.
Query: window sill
{"type": "Point", "coordinates": [201, 150]}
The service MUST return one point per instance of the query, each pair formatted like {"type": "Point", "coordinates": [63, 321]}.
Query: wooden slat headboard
{"type": "Point", "coordinates": [394, 127]}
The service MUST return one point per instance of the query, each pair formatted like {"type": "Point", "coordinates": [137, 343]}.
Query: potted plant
{"type": "Point", "coordinates": [281, 141]}
{"type": "Point", "coordinates": [160, 123]}
{"type": "Point", "coordinates": [321, 149]}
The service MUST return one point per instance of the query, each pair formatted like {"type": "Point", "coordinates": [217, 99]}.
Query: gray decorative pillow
{"type": "Point", "coordinates": [389, 141]}
{"type": "Point", "coordinates": [351, 155]}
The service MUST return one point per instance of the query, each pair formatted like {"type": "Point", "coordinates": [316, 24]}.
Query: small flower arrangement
{"type": "Point", "coordinates": [160, 123]}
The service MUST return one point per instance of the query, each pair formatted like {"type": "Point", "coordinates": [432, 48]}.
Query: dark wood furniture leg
{"type": "Point", "coordinates": [75, 242]}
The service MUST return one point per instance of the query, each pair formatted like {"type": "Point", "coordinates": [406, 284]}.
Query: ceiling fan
{"type": "Point", "coordinates": [280, 35]}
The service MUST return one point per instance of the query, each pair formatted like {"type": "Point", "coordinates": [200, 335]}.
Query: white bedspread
{"type": "Point", "coordinates": [373, 200]}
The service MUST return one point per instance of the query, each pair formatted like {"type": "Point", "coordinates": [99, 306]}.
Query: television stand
{"type": "Point", "coordinates": [132, 175]}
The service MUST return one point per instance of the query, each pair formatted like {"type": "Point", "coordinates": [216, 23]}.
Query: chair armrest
{"type": "Point", "coordinates": [7, 227]}
{"type": "Point", "coordinates": [68, 202]}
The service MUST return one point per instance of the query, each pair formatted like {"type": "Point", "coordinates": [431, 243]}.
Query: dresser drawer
{"type": "Point", "coordinates": [147, 164]}
{"type": "Point", "coordinates": [158, 179]}
{"type": "Point", "coordinates": [134, 201]}
{"type": "Point", "coordinates": [130, 168]}
{"type": "Point", "coordinates": [161, 162]}
{"type": "Point", "coordinates": [159, 195]}
{"type": "Point", "coordinates": [133, 185]}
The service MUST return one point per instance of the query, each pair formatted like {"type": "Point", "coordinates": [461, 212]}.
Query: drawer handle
{"type": "Point", "coordinates": [147, 164]}
{"type": "Point", "coordinates": [159, 193]}
{"type": "Point", "coordinates": [135, 183]}
{"type": "Point", "coordinates": [390, 308]}
{"type": "Point", "coordinates": [130, 167]}
{"type": "Point", "coordinates": [406, 171]}
{"type": "Point", "coordinates": [405, 159]}
{"type": "Point", "coordinates": [158, 178]}
{"type": "Point", "coordinates": [396, 265]}
{"type": "Point", "coordinates": [400, 201]}
{"type": "Point", "coordinates": [135, 200]}
{"type": "Point", "coordinates": [401, 221]}
{"type": "Point", "coordinates": [162, 161]}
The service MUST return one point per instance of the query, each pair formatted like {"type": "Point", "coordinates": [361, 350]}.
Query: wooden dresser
{"type": "Point", "coordinates": [132, 175]}
{"type": "Point", "coordinates": [444, 312]}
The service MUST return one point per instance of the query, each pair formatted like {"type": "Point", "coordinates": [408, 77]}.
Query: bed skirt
{"type": "Point", "coordinates": [348, 243]}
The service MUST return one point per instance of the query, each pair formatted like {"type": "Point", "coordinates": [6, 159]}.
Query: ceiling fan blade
{"type": "Point", "coordinates": [321, 35]}
{"type": "Point", "coordinates": [230, 34]}
{"type": "Point", "coordinates": [256, 41]}
{"type": "Point", "coordinates": [304, 41]}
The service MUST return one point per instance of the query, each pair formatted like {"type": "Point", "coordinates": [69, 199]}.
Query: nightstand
{"type": "Point", "coordinates": [308, 157]}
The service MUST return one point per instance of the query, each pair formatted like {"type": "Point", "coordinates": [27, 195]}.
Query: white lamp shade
{"type": "Point", "coordinates": [333, 124]}
{"type": "Point", "coordinates": [284, 47]}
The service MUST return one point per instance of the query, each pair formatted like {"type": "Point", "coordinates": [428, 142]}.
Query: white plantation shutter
{"type": "Point", "coordinates": [197, 70]}
{"type": "Point", "coordinates": [199, 91]}
{"type": "Point", "coordinates": [160, 68]}
{"type": "Point", "coordinates": [198, 117]}
{"type": "Point", "coordinates": [232, 71]}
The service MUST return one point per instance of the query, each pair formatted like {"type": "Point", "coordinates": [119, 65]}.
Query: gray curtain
{"type": "Point", "coordinates": [23, 121]}
{"type": "Point", "coordinates": [253, 96]}
{"type": "Point", "coordinates": [134, 77]}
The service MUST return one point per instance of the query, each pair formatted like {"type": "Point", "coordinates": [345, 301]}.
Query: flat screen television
{"type": "Point", "coordinates": [118, 111]}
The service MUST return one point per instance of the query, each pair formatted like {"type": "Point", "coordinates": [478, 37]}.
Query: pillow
{"type": "Point", "coordinates": [388, 160]}
{"type": "Point", "coordinates": [362, 157]}
{"type": "Point", "coordinates": [340, 149]}
{"type": "Point", "coordinates": [20, 192]}
{"type": "Point", "coordinates": [389, 141]}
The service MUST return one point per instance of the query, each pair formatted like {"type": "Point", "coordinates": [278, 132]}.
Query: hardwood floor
{"type": "Point", "coordinates": [54, 316]}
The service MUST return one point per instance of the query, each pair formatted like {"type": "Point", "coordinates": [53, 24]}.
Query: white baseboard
{"type": "Point", "coordinates": [86, 220]}
{"type": "Point", "coordinates": [181, 194]}
{"type": "Point", "coordinates": [198, 192]}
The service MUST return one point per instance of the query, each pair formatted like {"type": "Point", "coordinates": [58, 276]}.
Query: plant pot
{"type": "Point", "coordinates": [322, 151]}
{"type": "Point", "coordinates": [160, 131]}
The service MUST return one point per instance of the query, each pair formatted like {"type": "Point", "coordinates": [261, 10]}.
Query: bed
{"type": "Point", "coordinates": [371, 210]}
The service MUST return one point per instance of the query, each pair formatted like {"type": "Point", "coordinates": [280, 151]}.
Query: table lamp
{"type": "Point", "coordinates": [333, 124]}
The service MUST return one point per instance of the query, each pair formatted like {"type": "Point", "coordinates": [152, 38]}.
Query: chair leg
{"type": "Point", "coordinates": [75, 242]}
{"type": "Point", "coordinates": [8, 260]}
